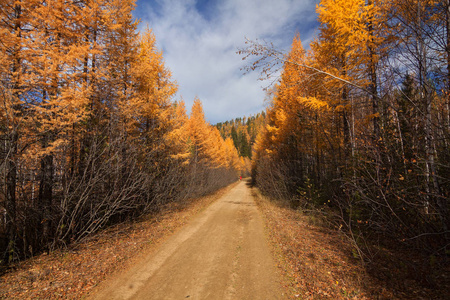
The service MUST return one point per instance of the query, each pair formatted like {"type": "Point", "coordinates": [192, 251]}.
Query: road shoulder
{"type": "Point", "coordinates": [76, 272]}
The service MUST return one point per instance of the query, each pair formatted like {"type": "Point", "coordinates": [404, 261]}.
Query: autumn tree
{"type": "Point", "coordinates": [373, 85]}
{"type": "Point", "coordinates": [12, 57]}
{"type": "Point", "coordinates": [91, 134]}
{"type": "Point", "coordinates": [242, 132]}
{"type": "Point", "coordinates": [46, 93]}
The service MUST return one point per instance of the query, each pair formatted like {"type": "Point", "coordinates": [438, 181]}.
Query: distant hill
{"type": "Point", "coordinates": [243, 132]}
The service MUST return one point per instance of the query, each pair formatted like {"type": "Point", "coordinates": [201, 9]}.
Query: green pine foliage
{"type": "Point", "coordinates": [243, 132]}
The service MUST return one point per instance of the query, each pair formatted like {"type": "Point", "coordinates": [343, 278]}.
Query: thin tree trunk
{"type": "Point", "coordinates": [345, 121]}
{"type": "Point", "coordinates": [432, 187]}
{"type": "Point", "coordinates": [46, 195]}
{"type": "Point", "coordinates": [447, 19]}
{"type": "Point", "coordinates": [11, 175]}
{"type": "Point", "coordinates": [373, 78]}
{"type": "Point", "coordinates": [11, 147]}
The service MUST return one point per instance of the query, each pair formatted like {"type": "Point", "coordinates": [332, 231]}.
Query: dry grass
{"type": "Point", "coordinates": [73, 272]}
{"type": "Point", "coordinates": [319, 263]}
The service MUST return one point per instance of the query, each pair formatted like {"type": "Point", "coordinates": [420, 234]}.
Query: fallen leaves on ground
{"type": "Point", "coordinates": [319, 263]}
{"type": "Point", "coordinates": [72, 273]}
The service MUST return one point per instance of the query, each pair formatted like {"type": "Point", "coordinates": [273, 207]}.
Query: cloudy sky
{"type": "Point", "coordinates": [199, 39]}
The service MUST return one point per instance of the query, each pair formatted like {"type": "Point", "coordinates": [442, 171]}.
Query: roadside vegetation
{"type": "Point", "coordinates": [91, 134]}
{"type": "Point", "coordinates": [351, 156]}
{"type": "Point", "coordinates": [73, 272]}
{"type": "Point", "coordinates": [319, 261]}
{"type": "Point", "coordinates": [358, 130]}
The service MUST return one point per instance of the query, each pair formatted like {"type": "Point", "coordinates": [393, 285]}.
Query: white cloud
{"type": "Point", "coordinates": [200, 47]}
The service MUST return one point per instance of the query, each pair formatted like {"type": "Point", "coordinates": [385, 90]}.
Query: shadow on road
{"type": "Point", "coordinates": [241, 203]}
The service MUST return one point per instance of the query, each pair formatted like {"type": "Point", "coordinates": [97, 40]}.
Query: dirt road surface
{"type": "Point", "coordinates": [221, 254]}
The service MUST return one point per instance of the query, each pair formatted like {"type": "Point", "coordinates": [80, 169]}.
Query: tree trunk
{"type": "Point", "coordinates": [345, 121]}
{"type": "Point", "coordinates": [11, 147]}
{"type": "Point", "coordinates": [11, 174]}
{"type": "Point", "coordinates": [373, 87]}
{"type": "Point", "coordinates": [46, 194]}
{"type": "Point", "coordinates": [447, 19]}
{"type": "Point", "coordinates": [432, 187]}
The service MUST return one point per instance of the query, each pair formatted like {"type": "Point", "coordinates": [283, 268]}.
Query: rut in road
{"type": "Point", "coordinates": [221, 254]}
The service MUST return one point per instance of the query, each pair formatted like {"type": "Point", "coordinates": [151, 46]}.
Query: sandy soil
{"type": "Point", "coordinates": [222, 254]}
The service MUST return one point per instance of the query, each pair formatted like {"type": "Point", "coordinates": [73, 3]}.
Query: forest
{"type": "Point", "coordinates": [357, 128]}
{"type": "Point", "coordinates": [91, 134]}
{"type": "Point", "coordinates": [360, 122]}
{"type": "Point", "coordinates": [243, 132]}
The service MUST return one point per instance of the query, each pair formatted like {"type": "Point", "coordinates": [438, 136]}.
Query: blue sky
{"type": "Point", "coordinates": [199, 39]}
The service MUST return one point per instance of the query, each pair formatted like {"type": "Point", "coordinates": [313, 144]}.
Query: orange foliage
{"type": "Point", "coordinates": [206, 144]}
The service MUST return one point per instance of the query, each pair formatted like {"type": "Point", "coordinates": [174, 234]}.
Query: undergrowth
{"type": "Point", "coordinates": [320, 261]}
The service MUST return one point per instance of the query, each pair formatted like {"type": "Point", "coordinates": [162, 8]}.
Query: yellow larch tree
{"type": "Point", "coordinates": [198, 131]}
{"type": "Point", "coordinates": [350, 45]}
{"type": "Point", "coordinates": [149, 108]}
{"type": "Point", "coordinates": [206, 144]}
{"type": "Point", "coordinates": [45, 60]}
{"type": "Point", "coordinates": [177, 139]}
{"type": "Point", "coordinates": [14, 94]}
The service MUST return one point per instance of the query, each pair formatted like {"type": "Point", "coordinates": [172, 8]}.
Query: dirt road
{"type": "Point", "coordinates": [221, 254]}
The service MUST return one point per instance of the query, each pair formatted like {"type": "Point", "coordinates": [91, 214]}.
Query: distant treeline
{"type": "Point", "coordinates": [243, 132]}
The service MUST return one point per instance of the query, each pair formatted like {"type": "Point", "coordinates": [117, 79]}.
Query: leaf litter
{"type": "Point", "coordinates": [318, 262]}
{"type": "Point", "coordinates": [73, 272]}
